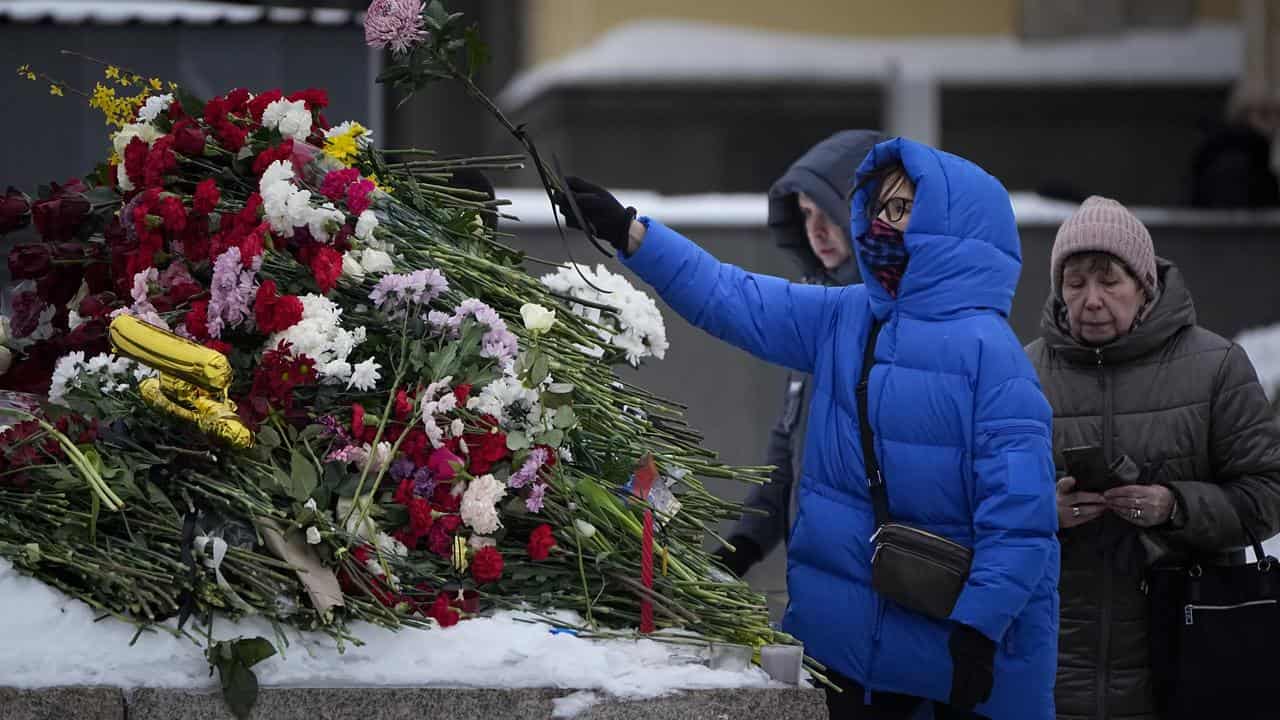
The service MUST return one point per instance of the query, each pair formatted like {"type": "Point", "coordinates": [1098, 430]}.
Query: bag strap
{"type": "Point", "coordinates": [1240, 510]}
{"type": "Point", "coordinates": [875, 479]}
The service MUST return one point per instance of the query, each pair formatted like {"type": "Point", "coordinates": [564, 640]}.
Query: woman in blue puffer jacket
{"type": "Point", "coordinates": [961, 429]}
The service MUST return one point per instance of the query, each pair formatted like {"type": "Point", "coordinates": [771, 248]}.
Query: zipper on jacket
{"type": "Point", "coordinates": [1188, 612]}
{"type": "Point", "coordinates": [1104, 632]}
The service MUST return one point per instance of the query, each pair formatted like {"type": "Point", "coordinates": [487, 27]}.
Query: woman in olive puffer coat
{"type": "Point", "coordinates": [1183, 424]}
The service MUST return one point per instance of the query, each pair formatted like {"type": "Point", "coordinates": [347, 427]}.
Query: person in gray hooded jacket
{"type": "Point", "coordinates": [809, 217]}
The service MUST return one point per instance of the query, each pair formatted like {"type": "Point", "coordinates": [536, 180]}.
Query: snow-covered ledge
{"type": "Point", "coordinates": [911, 69]}
{"type": "Point", "coordinates": [58, 659]}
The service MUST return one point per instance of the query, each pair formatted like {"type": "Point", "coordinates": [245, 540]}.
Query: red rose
{"type": "Point", "coordinates": [188, 138]}
{"type": "Point", "coordinates": [206, 197]}
{"type": "Point", "coordinates": [59, 216]}
{"type": "Point", "coordinates": [197, 319]}
{"type": "Point", "coordinates": [259, 103]}
{"type": "Point", "coordinates": [29, 261]}
{"type": "Point", "coordinates": [173, 214]}
{"type": "Point", "coordinates": [315, 98]}
{"type": "Point", "coordinates": [486, 566]}
{"type": "Point", "coordinates": [541, 540]}
{"type": "Point", "coordinates": [274, 313]}
{"type": "Point", "coordinates": [443, 612]}
{"type": "Point", "coordinates": [440, 538]}
{"type": "Point", "coordinates": [358, 196]}
{"type": "Point", "coordinates": [15, 211]}
{"type": "Point", "coordinates": [283, 151]}
{"type": "Point", "coordinates": [327, 268]}
{"type": "Point", "coordinates": [441, 464]}
{"type": "Point", "coordinates": [97, 306]}
{"type": "Point", "coordinates": [160, 162]}
{"type": "Point", "coordinates": [335, 183]}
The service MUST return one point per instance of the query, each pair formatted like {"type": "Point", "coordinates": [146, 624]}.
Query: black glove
{"type": "Point", "coordinates": [740, 561]}
{"type": "Point", "coordinates": [973, 658]}
{"type": "Point", "coordinates": [605, 216]}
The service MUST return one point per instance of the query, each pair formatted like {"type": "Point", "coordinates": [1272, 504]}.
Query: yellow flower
{"type": "Point", "coordinates": [112, 72]}
{"type": "Point", "coordinates": [373, 178]}
{"type": "Point", "coordinates": [31, 76]}
{"type": "Point", "coordinates": [55, 90]}
{"type": "Point", "coordinates": [124, 81]}
{"type": "Point", "coordinates": [342, 148]}
{"type": "Point", "coordinates": [156, 84]}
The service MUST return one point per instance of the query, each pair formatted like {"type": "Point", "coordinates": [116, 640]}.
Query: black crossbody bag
{"type": "Point", "coordinates": [918, 570]}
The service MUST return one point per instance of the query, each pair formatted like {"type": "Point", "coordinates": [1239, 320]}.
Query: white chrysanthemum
{"type": "Point", "coordinates": [478, 509]}
{"type": "Point", "coordinates": [103, 373]}
{"type": "Point", "coordinates": [320, 336]}
{"type": "Point", "coordinates": [290, 117]}
{"type": "Point", "coordinates": [510, 402]}
{"type": "Point", "coordinates": [635, 327]}
{"type": "Point", "coordinates": [363, 135]}
{"type": "Point", "coordinates": [322, 219]}
{"type": "Point", "coordinates": [154, 105]}
{"type": "Point", "coordinates": [364, 375]}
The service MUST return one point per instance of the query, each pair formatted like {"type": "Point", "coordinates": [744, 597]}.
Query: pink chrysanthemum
{"type": "Point", "coordinates": [394, 23]}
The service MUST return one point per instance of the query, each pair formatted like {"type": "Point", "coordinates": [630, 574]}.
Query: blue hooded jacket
{"type": "Point", "coordinates": [962, 432]}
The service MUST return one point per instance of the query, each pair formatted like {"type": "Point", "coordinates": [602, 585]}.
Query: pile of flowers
{"type": "Point", "coordinates": [436, 433]}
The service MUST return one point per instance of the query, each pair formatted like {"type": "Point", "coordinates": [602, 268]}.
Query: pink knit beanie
{"type": "Point", "coordinates": [1104, 225]}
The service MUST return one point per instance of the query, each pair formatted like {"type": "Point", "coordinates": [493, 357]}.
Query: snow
{"type": "Point", "coordinates": [570, 705]}
{"type": "Point", "coordinates": [690, 52]}
{"type": "Point", "coordinates": [196, 12]}
{"type": "Point", "coordinates": [1263, 348]}
{"type": "Point", "coordinates": [751, 210]}
{"type": "Point", "coordinates": [52, 639]}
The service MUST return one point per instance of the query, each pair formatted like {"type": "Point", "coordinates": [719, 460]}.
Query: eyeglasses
{"type": "Point", "coordinates": [894, 209]}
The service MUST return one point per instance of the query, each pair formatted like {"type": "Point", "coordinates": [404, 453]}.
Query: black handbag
{"type": "Point", "coordinates": [1214, 630]}
{"type": "Point", "coordinates": [918, 570]}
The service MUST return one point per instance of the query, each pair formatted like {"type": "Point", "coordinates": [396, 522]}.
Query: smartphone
{"type": "Point", "coordinates": [1088, 465]}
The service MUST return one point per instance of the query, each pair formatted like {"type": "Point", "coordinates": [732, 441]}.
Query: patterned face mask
{"type": "Point", "coordinates": [885, 253]}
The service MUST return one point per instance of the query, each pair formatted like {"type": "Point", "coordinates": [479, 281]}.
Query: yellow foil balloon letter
{"type": "Point", "coordinates": [193, 379]}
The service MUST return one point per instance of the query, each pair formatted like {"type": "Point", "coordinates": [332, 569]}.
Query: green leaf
{"type": "Point", "coordinates": [239, 689]}
{"type": "Point", "coordinates": [551, 437]}
{"type": "Point", "coordinates": [303, 474]}
{"type": "Point", "coordinates": [284, 483]}
{"type": "Point", "coordinates": [477, 51]}
{"type": "Point", "coordinates": [565, 418]}
{"type": "Point", "coordinates": [268, 438]}
{"type": "Point", "coordinates": [252, 651]}
{"type": "Point", "coordinates": [396, 516]}
{"type": "Point", "coordinates": [517, 441]}
{"type": "Point", "coordinates": [539, 371]}
{"type": "Point", "coordinates": [334, 475]}
{"type": "Point", "coordinates": [312, 432]}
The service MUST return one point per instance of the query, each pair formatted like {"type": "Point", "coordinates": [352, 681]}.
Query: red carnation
{"type": "Point", "coordinates": [259, 103]}
{"type": "Point", "coordinates": [357, 421]}
{"type": "Point", "coordinates": [219, 345]}
{"type": "Point", "coordinates": [197, 319]}
{"type": "Point", "coordinates": [420, 519]}
{"type": "Point", "coordinates": [283, 151]}
{"type": "Point", "coordinates": [404, 405]}
{"type": "Point", "coordinates": [170, 210]}
{"type": "Point", "coordinates": [135, 160]}
{"type": "Point", "coordinates": [326, 265]}
{"type": "Point", "coordinates": [443, 612]}
{"type": "Point", "coordinates": [253, 245]}
{"type": "Point", "coordinates": [231, 136]}
{"type": "Point", "coordinates": [486, 448]}
{"type": "Point", "coordinates": [274, 313]}
{"type": "Point", "coordinates": [206, 197]}
{"type": "Point", "coordinates": [160, 162]}
{"type": "Point", "coordinates": [335, 183]}
{"type": "Point", "coordinates": [315, 98]}
{"type": "Point", "coordinates": [97, 306]}
{"type": "Point", "coordinates": [188, 138]}
{"type": "Point", "coordinates": [237, 99]}
{"type": "Point", "coordinates": [358, 196]}
{"type": "Point", "coordinates": [441, 464]}
{"type": "Point", "coordinates": [195, 239]}
{"type": "Point", "coordinates": [461, 393]}
{"type": "Point", "coordinates": [540, 543]}
{"type": "Point", "coordinates": [404, 492]}
{"type": "Point", "coordinates": [486, 566]}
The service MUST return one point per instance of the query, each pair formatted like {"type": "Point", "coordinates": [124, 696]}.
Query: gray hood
{"type": "Point", "coordinates": [826, 174]}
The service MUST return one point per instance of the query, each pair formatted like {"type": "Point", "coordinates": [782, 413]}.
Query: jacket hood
{"type": "Point", "coordinates": [824, 173]}
{"type": "Point", "coordinates": [962, 240]}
